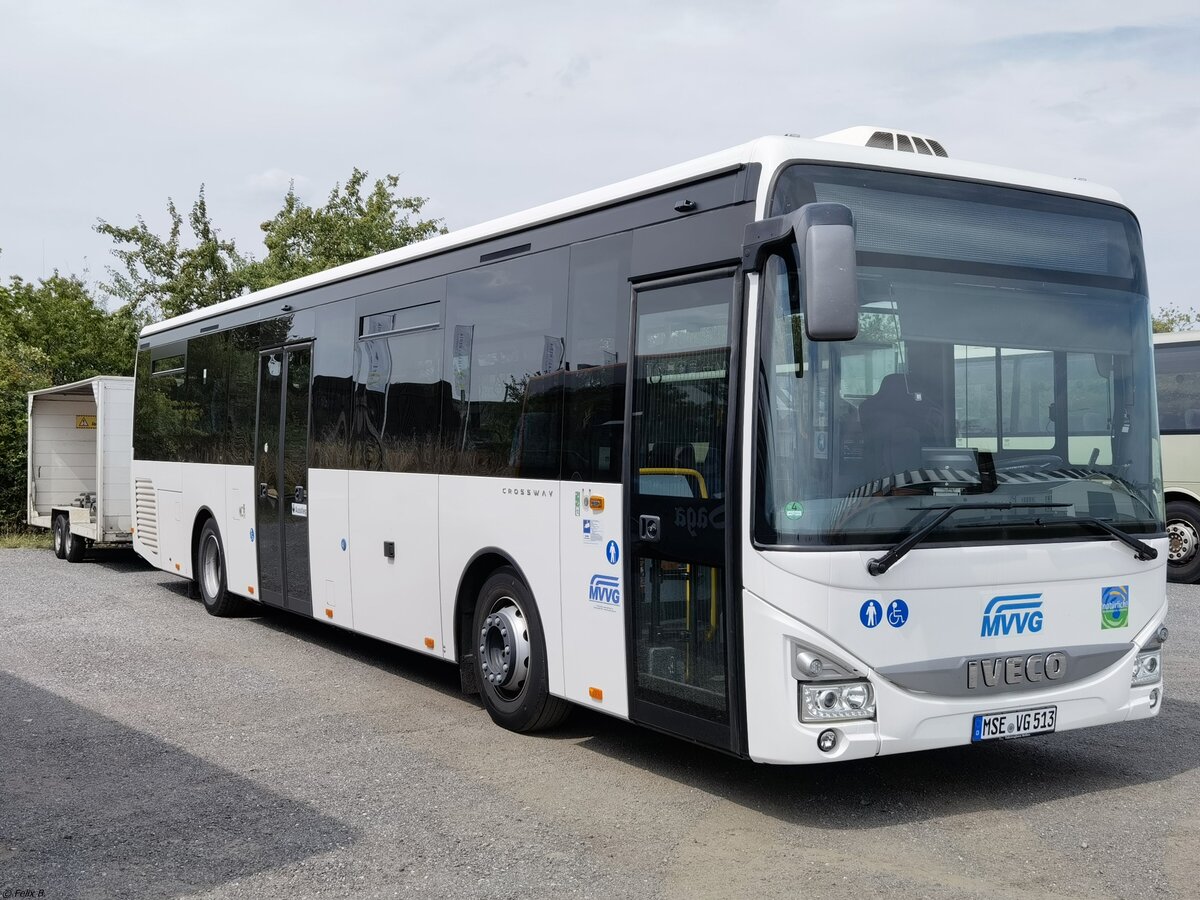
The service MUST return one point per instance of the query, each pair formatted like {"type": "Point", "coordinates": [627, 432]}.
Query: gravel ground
{"type": "Point", "coordinates": [150, 750]}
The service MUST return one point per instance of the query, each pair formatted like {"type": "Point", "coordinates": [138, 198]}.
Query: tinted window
{"type": "Point", "coordinates": [164, 421]}
{"type": "Point", "coordinates": [1177, 370]}
{"type": "Point", "coordinates": [206, 392]}
{"type": "Point", "coordinates": [332, 386]}
{"type": "Point", "coordinates": [399, 397]}
{"type": "Point", "coordinates": [598, 340]}
{"type": "Point", "coordinates": [243, 395]}
{"type": "Point", "coordinates": [504, 347]}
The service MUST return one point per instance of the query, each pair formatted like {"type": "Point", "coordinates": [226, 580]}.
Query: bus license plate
{"type": "Point", "coordinates": [1018, 723]}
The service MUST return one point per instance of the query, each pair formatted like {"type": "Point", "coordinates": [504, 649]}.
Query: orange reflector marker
{"type": "Point", "coordinates": [430, 643]}
{"type": "Point", "coordinates": [596, 503]}
{"type": "Point", "coordinates": [328, 613]}
{"type": "Point", "coordinates": [176, 567]}
{"type": "Point", "coordinates": [133, 531]}
{"type": "Point", "coordinates": [596, 694]}
{"type": "Point", "coordinates": [250, 589]}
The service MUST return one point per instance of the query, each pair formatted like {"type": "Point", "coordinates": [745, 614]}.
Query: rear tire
{"type": "Point", "coordinates": [510, 657]}
{"type": "Point", "coordinates": [1183, 530]}
{"type": "Point", "coordinates": [210, 573]}
{"type": "Point", "coordinates": [73, 545]}
{"type": "Point", "coordinates": [59, 530]}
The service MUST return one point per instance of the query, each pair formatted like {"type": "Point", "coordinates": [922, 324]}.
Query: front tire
{"type": "Point", "coordinates": [210, 573]}
{"type": "Point", "coordinates": [1183, 530]}
{"type": "Point", "coordinates": [510, 657]}
{"type": "Point", "coordinates": [60, 530]}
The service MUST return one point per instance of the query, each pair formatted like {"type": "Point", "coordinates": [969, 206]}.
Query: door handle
{"type": "Point", "coordinates": [649, 528]}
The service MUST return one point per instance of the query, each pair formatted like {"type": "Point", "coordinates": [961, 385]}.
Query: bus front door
{"type": "Point", "coordinates": [677, 626]}
{"type": "Point", "coordinates": [282, 477]}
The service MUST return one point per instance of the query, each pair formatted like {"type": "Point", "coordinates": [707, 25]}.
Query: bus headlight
{"type": "Point", "coordinates": [832, 701]}
{"type": "Point", "coordinates": [1147, 668]}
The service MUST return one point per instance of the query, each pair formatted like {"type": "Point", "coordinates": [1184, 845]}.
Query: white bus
{"type": "Point", "coordinates": [702, 450]}
{"type": "Point", "coordinates": [1177, 371]}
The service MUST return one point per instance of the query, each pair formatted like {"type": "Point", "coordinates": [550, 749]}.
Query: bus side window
{"type": "Point", "coordinates": [597, 344]}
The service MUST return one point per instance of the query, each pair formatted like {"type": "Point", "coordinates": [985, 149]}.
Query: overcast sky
{"type": "Point", "coordinates": [108, 108]}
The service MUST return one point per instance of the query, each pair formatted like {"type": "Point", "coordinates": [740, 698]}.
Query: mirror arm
{"type": "Point", "coordinates": [767, 235]}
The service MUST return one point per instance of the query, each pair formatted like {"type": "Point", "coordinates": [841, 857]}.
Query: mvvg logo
{"type": "Point", "coordinates": [1012, 614]}
{"type": "Point", "coordinates": [605, 589]}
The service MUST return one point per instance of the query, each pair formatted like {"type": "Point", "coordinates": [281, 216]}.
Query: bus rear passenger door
{"type": "Point", "coordinates": [680, 673]}
{"type": "Point", "coordinates": [281, 465]}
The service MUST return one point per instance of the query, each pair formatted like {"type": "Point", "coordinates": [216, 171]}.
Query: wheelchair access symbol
{"type": "Point", "coordinates": [897, 613]}
{"type": "Point", "coordinates": [871, 613]}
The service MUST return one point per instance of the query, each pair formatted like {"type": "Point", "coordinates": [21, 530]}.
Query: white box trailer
{"type": "Point", "coordinates": [80, 449]}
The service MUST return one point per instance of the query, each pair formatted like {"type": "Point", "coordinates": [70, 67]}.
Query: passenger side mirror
{"type": "Point", "coordinates": [823, 237]}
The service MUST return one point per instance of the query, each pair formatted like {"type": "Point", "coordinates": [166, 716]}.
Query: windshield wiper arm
{"type": "Point", "coordinates": [881, 564]}
{"type": "Point", "coordinates": [1143, 551]}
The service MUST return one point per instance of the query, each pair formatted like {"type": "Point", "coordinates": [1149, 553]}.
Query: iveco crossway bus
{"type": "Point", "coordinates": [804, 450]}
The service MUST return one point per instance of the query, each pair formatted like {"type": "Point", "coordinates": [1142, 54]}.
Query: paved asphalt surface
{"type": "Point", "coordinates": [149, 750]}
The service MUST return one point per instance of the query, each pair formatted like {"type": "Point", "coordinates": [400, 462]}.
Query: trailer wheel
{"type": "Point", "coordinates": [74, 545]}
{"type": "Point", "coordinates": [510, 665]}
{"type": "Point", "coordinates": [60, 529]}
{"type": "Point", "coordinates": [210, 573]}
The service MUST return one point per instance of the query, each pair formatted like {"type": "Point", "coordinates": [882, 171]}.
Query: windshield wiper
{"type": "Point", "coordinates": [881, 564]}
{"type": "Point", "coordinates": [1142, 551]}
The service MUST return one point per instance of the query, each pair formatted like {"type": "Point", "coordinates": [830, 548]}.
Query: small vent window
{"type": "Point", "coordinates": [938, 149]}
{"type": "Point", "coordinates": [413, 318]}
{"type": "Point", "coordinates": [922, 147]}
{"type": "Point", "coordinates": [903, 143]}
{"type": "Point", "coordinates": [882, 140]}
{"type": "Point", "coordinates": [167, 364]}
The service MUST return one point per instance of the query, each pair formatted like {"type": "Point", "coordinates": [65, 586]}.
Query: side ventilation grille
{"type": "Point", "coordinates": [146, 513]}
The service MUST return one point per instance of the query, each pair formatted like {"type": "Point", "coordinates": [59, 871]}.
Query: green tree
{"type": "Point", "coordinates": [51, 332]}
{"type": "Point", "coordinates": [1172, 318]}
{"type": "Point", "coordinates": [61, 319]}
{"type": "Point", "coordinates": [160, 277]}
{"type": "Point", "coordinates": [302, 239]}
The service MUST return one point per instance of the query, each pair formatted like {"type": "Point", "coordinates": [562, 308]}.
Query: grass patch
{"type": "Point", "coordinates": [18, 537]}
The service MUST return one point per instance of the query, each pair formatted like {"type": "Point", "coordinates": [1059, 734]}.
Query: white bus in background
{"type": "Point", "coordinates": [804, 450]}
{"type": "Point", "coordinates": [1177, 370]}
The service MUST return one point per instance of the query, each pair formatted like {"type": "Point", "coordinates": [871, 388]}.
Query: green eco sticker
{"type": "Point", "coordinates": [794, 510]}
{"type": "Point", "coordinates": [1114, 607]}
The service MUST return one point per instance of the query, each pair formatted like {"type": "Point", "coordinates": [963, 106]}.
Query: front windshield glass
{"type": "Point", "coordinates": [1003, 356]}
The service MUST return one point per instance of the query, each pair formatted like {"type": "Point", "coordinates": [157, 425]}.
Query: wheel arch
{"type": "Point", "coordinates": [203, 514]}
{"type": "Point", "coordinates": [1178, 493]}
{"type": "Point", "coordinates": [477, 571]}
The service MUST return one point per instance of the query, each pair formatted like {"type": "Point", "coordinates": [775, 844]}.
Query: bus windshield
{"type": "Point", "coordinates": [1003, 358]}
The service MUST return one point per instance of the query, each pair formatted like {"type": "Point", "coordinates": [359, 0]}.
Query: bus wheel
{"type": "Point", "coordinates": [510, 663]}
{"type": "Point", "coordinates": [60, 530]}
{"type": "Point", "coordinates": [1183, 529]}
{"type": "Point", "coordinates": [210, 572]}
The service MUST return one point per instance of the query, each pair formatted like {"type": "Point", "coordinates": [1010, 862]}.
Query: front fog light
{"type": "Point", "coordinates": [1147, 667]}
{"type": "Point", "coordinates": [847, 700]}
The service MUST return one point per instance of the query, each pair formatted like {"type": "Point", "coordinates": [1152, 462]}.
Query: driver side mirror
{"type": "Point", "coordinates": [823, 237]}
